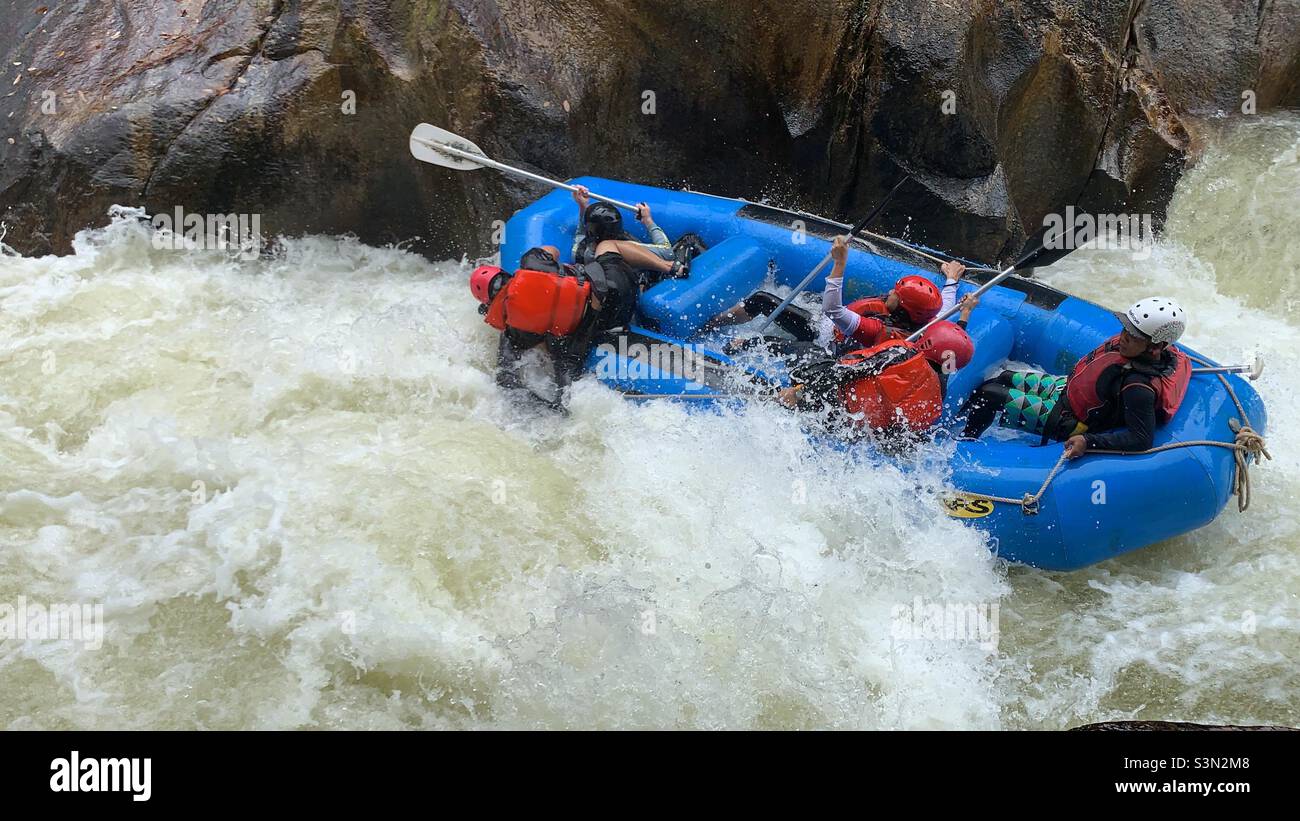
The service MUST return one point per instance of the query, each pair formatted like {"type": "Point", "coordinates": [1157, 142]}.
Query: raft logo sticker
{"type": "Point", "coordinates": [1107, 232]}
{"type": "Point", "coordinates": [967, 507]}
{"type": "Point", "coordinates": [208, 232]}
{"type": "Point", "coordinates": [59, 621]}
{"type": "Point", "coordinates": [631, 362]}
{"type": "Point", "coordinates": [75, 774]}
{"type": "Point", "coordinates": [975, 622]}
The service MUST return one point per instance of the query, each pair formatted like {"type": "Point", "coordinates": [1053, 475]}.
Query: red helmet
{"type": "Point", "coordinates": [946, 345]}
{"type": "Point", "coordinates": [919, 297]}
{"type": "Point", "coordinates": [481, 279]}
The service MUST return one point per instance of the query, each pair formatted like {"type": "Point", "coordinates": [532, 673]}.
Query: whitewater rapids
{"type": "Point", "coordinates": [301, 502]}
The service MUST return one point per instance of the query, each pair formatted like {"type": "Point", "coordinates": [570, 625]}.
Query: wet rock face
{"type": "Point", "coordinates": [228, 106]}
{"type": "Point", "coordinates": [1208, 56]}
{"type": "Point", "coordinates": [298, 110]}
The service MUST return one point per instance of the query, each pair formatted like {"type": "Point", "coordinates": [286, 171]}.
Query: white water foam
{"type": "Point", "coordinates": [303, 503]}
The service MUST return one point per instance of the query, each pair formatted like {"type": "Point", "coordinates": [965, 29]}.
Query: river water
{"type": "Point", "coordinates": [300, 501]}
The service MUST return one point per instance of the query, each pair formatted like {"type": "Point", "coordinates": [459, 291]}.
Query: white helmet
{"type": "Point", "coordinates": [1157, 318]}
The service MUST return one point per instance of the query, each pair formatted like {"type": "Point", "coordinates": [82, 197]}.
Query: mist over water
{"type": "Point", "coordinates": [302, 502]}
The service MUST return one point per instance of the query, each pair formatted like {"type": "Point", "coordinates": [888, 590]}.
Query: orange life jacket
{"type": "Point", "coordinates": [539, 302]}
{"type": "Point", "coordinates": [1081, 388]}
{"type": "Point", "coordinates": [874, 308]}
{"type": "Point", "coordinates": [905, 392]}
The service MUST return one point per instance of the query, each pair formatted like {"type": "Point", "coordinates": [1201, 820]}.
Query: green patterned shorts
{"type": "Point", "coordinates": [1031, 399]}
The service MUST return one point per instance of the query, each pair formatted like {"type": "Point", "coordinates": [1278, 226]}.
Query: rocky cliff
{"type": "Point", "coordinates": [299, 110]}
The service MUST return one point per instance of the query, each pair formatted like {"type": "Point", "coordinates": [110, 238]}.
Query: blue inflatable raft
{"type": "Point", "coordinates": [1096, 508]}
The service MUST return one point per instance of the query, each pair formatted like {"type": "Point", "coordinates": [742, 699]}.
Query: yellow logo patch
{"type": "Point", "coordinates": [966, 507]}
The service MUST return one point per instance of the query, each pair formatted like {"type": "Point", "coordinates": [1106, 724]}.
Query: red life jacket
{"type": "Point", "coordinates": [540, 303]}
{"type": "Point", "coordinates": [873, 307]}
{"type": "Point", "coordinates": [1081, 388]}
{"type": "Point", "coordinates": [905, 392]}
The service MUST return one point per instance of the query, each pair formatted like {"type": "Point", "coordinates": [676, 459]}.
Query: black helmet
{"type": "Point", "coordinates": [603, 221]}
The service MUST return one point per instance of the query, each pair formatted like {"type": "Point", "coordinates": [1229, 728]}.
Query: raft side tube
{"type": "Point", "coordinates": [719, 278]}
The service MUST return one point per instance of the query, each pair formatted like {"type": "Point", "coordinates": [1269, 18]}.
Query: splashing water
{"type": "Point", "coordinates": [302, 502]}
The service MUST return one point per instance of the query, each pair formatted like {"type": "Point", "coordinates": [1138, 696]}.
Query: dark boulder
{"type": "Point", "coordinates": [1003, 111]}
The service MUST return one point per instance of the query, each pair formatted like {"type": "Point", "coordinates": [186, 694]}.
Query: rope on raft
{"type": "Point", "coordinates": [1246, 443]}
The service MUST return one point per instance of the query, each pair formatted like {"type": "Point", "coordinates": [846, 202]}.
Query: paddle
{"type": "Point", "coordinates": [1253, 370]}
{"type": "Point", "coordinates": [1039, 257]}
{"type": "Point", "coordinates": [863, 223]}
{"type": "Point", "coordinates": [438, 146]}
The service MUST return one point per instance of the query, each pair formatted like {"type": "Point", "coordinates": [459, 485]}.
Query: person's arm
{"type": "Point", "coordinates": [658, 239]}
{"type": "Point", "coordinates": [583, 198]}
{"type": "Point", "coordinates": [846, 321]}
{"type": "Point", "coordinates": [1139, 428]}
{"type": "Point", "coordinates": [953, 271]}
{"type": "Point", "coordinates": [968, 305]}
{"type": "Point", "coordinates": [865, 329]}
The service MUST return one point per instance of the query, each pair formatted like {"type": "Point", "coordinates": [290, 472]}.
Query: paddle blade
{"type": "Point", "coordinates": [427, 139]}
